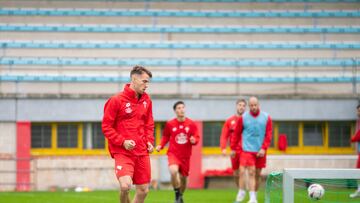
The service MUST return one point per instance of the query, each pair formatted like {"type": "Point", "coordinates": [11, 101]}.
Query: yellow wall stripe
{"type": "Point", "coordinates": [300, 149]}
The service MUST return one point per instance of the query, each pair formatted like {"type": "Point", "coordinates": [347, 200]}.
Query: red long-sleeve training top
{"type": "Point", "coordinates": [179, 133]}
{"type": "Point", "coordinates": [228, 131]}
{"type": "Point", "coordinates": [127, 117]}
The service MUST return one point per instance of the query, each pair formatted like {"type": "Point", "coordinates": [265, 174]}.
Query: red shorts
{"type": "Point", "coordinates": [358, 162]}
{"type": "Point", "coordinates": [183, 163]}
{"type": "Point", "coordinates": [235, 161]}
{"type": "Point", "coordinates": [250, 159]}
{"type": "Point", "coordinates": [137, 167]}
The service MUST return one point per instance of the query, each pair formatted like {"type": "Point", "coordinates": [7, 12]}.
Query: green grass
{"type": "Point", "coordinates": [158, 196]}
{"type": "Point", "coordinates": [339, 195]}
{"type": "Point", "coordinates": [162, 196]}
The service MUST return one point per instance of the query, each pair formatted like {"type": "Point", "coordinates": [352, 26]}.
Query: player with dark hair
{"type": "Point", "coordinates": [182, 134]}
{"type": "Point", "coordinates": [128, 125]}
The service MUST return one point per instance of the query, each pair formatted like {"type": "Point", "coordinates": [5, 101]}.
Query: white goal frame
{"type": "Point", "coordinates": [290, 174]}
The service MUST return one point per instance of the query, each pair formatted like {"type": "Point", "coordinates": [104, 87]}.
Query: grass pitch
{"type": "Point", "coordinates": [164, 196]}
{"type": "Point", "coordinates": [155, 196]}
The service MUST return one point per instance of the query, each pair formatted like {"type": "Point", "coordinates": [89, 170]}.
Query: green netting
{"type": "Point", "coordinates": [336, 190]}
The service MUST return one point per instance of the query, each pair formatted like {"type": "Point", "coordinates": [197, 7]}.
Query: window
{"type": "Point", "coordinates": [339, 134]}
{"type": "Point", "coordinates": [272, 144]}
{"type": "Point", "coordinates": [93, 137]}
{"type": "Point", "coordinates": [98, 139]}
{"type": "Point", "coordinates": [41, 135]}
{"type": "Point", "coordinates": [313, 134]}
{"type": "Point", "coordinates": [68, 139]}
{"type": "Point", "coordinates": [212, 133]}
{"type": "Point", "coordinates": [291, 130]}
{"type": "Point", "coordinates": [67, 136]}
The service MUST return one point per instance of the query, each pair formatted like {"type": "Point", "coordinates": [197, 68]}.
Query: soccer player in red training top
{"type": "Point", "coordinates": [182, 134]}
{"type": "Point", "coordinates": [254, 132]}
{"type": "Point", "coordinates": [128, 125]}
{"type": "Point", "coordinates": [356, 138]}
{"type": "Point", "coordinates": [227, 132]}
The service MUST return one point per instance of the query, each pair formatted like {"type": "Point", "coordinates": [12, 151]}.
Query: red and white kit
{"type": "Point", "coordinates": [226, 134]}
{"type": "Point", "coordinates": [127, 117]}
{"type": "Point", "coordinates": [356, 138]}
{"type": "Point", "coordinates": [178, 134]}
{"type": "Point", "coordinates": [249, 158]}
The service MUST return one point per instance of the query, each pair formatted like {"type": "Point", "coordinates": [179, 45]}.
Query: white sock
{"type": "Point", "coordinates": [358, 189]}
{"type": "Point", "coordinates": [252, 195]}
{"type": "Point", "coordinates": [241, 191]}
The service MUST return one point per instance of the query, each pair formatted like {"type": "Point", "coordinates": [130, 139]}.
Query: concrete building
{"type": "Point", "coordinates": [57, 68]}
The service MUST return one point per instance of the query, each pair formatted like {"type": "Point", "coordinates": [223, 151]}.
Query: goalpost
{"type": "Point", "coordinates": [290, 174]}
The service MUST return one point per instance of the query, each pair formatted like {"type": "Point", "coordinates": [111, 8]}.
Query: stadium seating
{"type": "Point", "coordinates": [242, 1]}
{"type": "Point", "coordinates": [106, 79]}
{"type": "Point", "coordinates": [195, 41]}
{"type": "Point", "coordinates": [179, 62]}
{"type": "Point", "coordinates": [176, 29]}
{"type": "Point", "coordinates": [178, 13]}
{"type": "Point", "coordinates": [174, 45]}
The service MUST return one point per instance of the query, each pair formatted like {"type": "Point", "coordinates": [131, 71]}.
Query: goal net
{"type": "Point", "coordinates": [290, 185]}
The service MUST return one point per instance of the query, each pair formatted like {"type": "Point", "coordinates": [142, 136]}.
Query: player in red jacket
{"type": "Point", "coordinates": [182, 134]}
{"type": "Point", "coordinates": [227, 132]}
{"type": "Point", "coordinates": [356, 138]}
{"type": "Point", "coordinates": [128, 125]}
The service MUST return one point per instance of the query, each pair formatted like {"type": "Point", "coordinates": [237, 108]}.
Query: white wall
{"type": "Point", "coordinates": [205, 109]}
{"type": "Point", "coordinates": [7, 153]}
{"type": "Point", "coordinates": [97, 172]}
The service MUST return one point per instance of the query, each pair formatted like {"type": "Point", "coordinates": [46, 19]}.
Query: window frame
{"type": "Point", "coordinates": [352, 131]}
{"type": "Point", "coordinates": [312, 150]}
{"type": "Point", "coordinates": [78, 150]}
{"type": "Point", "coordinates": [214, 150]}
{"type": "Point", "coordinates": [41, 124]}
{"type": "Point", "coordinates": [300, 149]}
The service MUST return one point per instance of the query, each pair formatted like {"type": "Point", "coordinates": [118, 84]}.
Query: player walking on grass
{"type": "Point", "coordinates": [227, 132]}
{"type": "Point", "coordinates": [129, 127]}
{"type": "Point", "coordinates": [182, 134]}
{"type": "Point", "coordinates": [356, 138]}
{"type": "Point", "coordinates": [253, 132]}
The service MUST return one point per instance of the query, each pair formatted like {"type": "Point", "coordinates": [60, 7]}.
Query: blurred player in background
{"type": "Point", "coordinates": [356, 138]}
{"type": "Point", "coordinates": [182, 134]}
{"type": "Point", "coordinates": [227, 132]}
{"type": "Point", "coordinates": [128, 125]}
{"type": "Point", "coordinates": [253, 132]}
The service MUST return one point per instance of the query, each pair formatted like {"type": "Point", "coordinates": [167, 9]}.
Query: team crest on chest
{"type": "Point", "coordinates": [181, 138]}
{"type": "Point", "coordinates": [232, 122]}
{"type": "Point", "coordinates": [187, 129]}
{"type": "Point", "coordinates": [145, 103]}
{"type": "Point", "coordinates": [128, 109]}
{"type": "Point", "coordinates": [174, 129]}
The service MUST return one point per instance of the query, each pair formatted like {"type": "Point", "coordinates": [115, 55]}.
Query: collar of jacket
{"type": "Point", "coordinates": [131, 94]}
{"type": "Point", "coordinates": [255, 114]}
